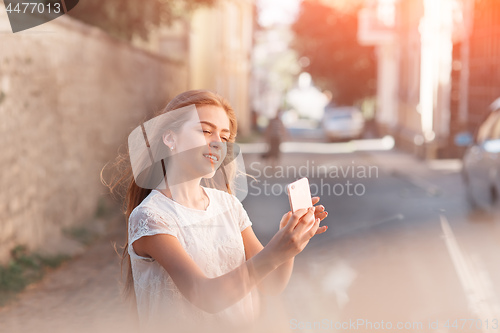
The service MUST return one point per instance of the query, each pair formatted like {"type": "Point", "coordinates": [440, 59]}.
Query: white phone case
{"type": "Point", "coordinates": [299, 194]}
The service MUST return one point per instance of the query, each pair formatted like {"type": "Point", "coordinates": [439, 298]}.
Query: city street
{"type": "Point", "coordinates": [402, 249]}
{"type": "Point", "coordinates": [391, 110]}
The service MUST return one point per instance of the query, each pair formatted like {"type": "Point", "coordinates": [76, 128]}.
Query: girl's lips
{"type": "Point", "coordinates": [212, 155]}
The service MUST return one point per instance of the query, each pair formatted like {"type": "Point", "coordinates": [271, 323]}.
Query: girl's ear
{"type": "Point", "coordinates": [169, 139]}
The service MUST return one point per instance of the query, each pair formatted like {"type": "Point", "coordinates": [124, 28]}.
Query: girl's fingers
{"type": "Point", "coordinates": [285, 219]}
{"type": "Point", "coordinates": [319, 209]}
{"type": "Point", "coordinates": [311, 232]}
{"type": "Point", "coordinates": [315, 200]}
{"type": "Point", "coordinates": [320, 215]}
{"type": "Point", "coordinates": [321, 230]}
{"type": "Point", "coordinates": [306, 220]}
{"type": "Point", "coordinates": [295, 217]}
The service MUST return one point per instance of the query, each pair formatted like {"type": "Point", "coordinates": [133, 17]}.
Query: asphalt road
{"type": "Point", "coordinates": [404, 251]}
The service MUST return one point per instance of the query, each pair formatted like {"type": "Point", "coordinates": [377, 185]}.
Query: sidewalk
{"type": "Point", "coordinates": [83, 295]}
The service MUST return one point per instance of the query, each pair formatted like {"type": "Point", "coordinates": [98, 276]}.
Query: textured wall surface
{"type": "Point", "coordinates": [69, 97]}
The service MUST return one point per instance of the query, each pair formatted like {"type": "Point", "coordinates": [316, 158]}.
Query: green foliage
{"type": "Point", "coordinates": [103, 209]}
{"type": "Point", "coordinates": [2, 96]}
{"type": "Point", "coordinates": [24, 269]}
{"type": "Point", "coordinates": [127, 19]}
{"type": "Point", "coordinates": [327, 35]}
{"type": "Point", "coordinates": [80, 234]}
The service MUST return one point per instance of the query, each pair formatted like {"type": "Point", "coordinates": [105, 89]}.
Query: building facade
{"type": "Point", "coordinates": [437, 70]}
{"type": "Point", "coordinates": [220, 46]}
{"type": "Point", "coordinates": [215, 43]}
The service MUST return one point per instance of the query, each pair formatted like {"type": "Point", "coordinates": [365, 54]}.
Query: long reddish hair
{"type": "Point", "coordinates": [123, 183]}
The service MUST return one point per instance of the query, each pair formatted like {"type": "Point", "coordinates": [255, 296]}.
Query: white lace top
{"type": "Point", "coordinates": [212, 238]}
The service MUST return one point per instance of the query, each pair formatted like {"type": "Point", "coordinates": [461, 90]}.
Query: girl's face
{"type": "Point", "coordinates": [201, 142]}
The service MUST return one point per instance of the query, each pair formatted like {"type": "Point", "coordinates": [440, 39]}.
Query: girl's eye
{"type": "Point", "coordinates": [209, 132]}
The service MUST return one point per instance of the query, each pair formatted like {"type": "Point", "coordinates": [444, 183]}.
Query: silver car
{"type": "Point", "coordinates": [345, 122]}
{"type": "Point", "coordinates": [481, 162]}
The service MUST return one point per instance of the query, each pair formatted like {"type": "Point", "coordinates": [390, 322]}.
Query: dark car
{"type": "Point", "coordinates": [481, 162]}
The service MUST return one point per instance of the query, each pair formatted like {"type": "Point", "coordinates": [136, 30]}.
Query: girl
{"type": "Point", "coordinates": [193, 259]}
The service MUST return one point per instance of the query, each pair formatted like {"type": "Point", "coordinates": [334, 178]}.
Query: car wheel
{"type": "Point", "coordinates": [486, 202]}
{"type": "Point", "coordinates": [468, 191]}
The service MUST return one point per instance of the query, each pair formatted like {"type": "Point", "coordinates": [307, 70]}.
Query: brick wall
{"type": "Point", "coordinates": [69, 97]}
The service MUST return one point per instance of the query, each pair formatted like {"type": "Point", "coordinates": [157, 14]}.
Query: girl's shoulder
{"type": "Point", "coordinates": [152, 204]}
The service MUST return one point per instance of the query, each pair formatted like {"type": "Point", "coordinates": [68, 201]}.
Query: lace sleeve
{"type": "Point", "coordinates": [147, 222]}
{"type": "Point", "coordinates": [241, 214]}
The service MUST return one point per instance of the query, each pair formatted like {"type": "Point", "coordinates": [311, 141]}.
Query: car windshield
{"type": "Point", "coordinates": [485, 130]}
{"type": "Point", "coordinates": [339, 116]}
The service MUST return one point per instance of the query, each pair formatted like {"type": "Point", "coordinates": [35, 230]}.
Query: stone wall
{"type": "Point", "coordinates": [69, 97]}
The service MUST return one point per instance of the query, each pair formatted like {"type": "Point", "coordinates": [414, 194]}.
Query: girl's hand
{"type": "Point", "coordinates": [319, 212]}
{"type": "Point", "coordinates": [297, 229]}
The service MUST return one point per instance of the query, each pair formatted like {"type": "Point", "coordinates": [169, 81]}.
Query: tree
{"type": "Point", "coordinates": [326, 33]}
{"type": "Point", "coordinates": [127, 19]}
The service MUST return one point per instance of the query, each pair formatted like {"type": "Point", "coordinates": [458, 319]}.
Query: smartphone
{"type": "Point", "coordinates": [299, 194]}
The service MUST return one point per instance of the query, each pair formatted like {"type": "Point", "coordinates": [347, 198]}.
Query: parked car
{"type": "Point", "coordinates": [481, 162]}
{"type": "Point", "coordinates": [344, 122]}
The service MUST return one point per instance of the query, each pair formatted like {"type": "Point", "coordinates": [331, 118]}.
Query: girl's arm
{"type": "Point", "coordinates": [275, 282]}
{"type": "Point", "coordinates": [215, 294]}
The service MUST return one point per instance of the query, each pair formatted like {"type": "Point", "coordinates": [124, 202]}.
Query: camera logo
{"type": "Point", "coordinates": [26, 14]}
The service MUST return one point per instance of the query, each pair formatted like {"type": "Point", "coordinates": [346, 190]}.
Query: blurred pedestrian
{"type": "Point", "coordinates": [274, 135]}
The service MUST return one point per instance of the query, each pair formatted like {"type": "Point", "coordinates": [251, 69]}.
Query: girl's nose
{"type": "Point", "coordinates": [216, 144]}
